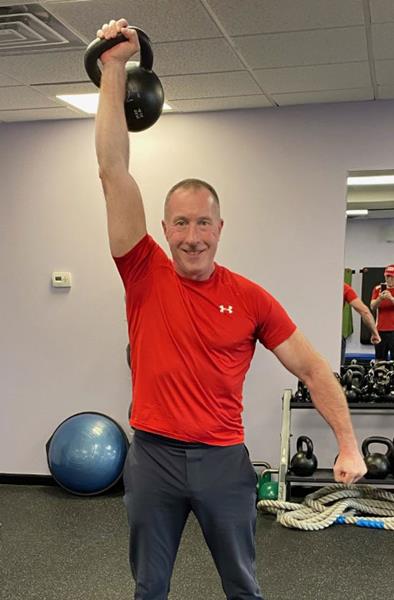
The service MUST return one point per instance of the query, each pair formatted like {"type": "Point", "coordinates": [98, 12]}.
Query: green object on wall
{"type": "Point", "coordinates": [347, 317]}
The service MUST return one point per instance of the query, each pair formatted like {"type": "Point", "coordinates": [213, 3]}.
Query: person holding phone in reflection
{"type": "Point", "coordinates": [350, 297]}
{"type": "Point", "coordinates": [383, 302]}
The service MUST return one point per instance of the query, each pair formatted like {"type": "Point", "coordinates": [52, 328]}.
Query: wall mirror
{"type": "Point", "coordinates": [369, 247]}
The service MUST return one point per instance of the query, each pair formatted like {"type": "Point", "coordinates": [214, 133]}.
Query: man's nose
{"type": "Point", "coordinates": [192, 233]}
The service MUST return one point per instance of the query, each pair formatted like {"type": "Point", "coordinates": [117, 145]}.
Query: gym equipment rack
{"type": "Point", "coordinates": [320, 476]}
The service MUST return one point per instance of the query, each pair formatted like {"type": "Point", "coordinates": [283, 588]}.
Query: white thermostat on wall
{"type": "Point", "coordinates": [61, 279]}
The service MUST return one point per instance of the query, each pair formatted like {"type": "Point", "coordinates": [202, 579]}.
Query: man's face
{"type": "Point", "coordinates": [192, 227]}
{"type": "Point", "coordinates": [389, 280]}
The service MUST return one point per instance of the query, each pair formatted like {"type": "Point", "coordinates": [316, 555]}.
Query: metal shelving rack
{"type": "Point", "coordinates": [321, 476]}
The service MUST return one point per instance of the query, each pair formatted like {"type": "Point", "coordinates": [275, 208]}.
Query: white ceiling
{"type": "Point", "coordinates": [377, 199]}
{"type": "Point", "coordinates": [209, 54]}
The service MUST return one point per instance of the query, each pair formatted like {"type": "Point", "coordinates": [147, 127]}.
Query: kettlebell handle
{"type": "Point", "coordinates": [265, 476]}
{"type": "Point", "coordinates": [303, 439]}
{"type": "Point", "coordinates": [98, 46]}
{"type": "Point", "coordinates": [376, 440]}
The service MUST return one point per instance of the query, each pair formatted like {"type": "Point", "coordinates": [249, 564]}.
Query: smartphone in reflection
{"type": "Point", "coordinates": [383, 287]}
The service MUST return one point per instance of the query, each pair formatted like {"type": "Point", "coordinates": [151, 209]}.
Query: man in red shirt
{"type": "Point", "coordinates": [350, 296]}
{"type": "Point", "coordinates": [383, 302]}
{"type": "Point", "coordinates": [194, 326]}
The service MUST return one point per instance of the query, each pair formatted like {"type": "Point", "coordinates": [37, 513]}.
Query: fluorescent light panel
{"type": "Point", "coordinates": [371, 180]}
{"type": "Point", "coordinates": [353, 212]}
{"type": "Point", "coordinates": [89, 102]}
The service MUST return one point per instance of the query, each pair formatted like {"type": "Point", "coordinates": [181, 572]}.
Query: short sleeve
{"type": "Point", "coordinates": [275, 325]}
{"type": "Point", "coordinates": [348, 293]}
{"type": "Point", "coordinates": [137, 263]}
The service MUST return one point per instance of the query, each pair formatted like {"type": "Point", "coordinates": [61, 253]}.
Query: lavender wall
{"type": "Point", "coordinates": [281, 175]}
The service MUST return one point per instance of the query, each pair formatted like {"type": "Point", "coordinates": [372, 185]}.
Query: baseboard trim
{"type": "Point", "coordinates": [24, 479]}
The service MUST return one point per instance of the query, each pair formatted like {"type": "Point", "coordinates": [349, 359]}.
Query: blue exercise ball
{"type": "Point", "coordinates": [86, 453]}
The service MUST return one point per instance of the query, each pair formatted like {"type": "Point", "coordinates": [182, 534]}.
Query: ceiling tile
{"type": "Point", "coordinates": [321, 77]}
{"type": "Point", "coordinates": [196, 56]}
{"type": "Point", "coordinates": [40, 114]}
{"type": "Point", "coordinates": [6, 80]}
{"type": "Point", "coordinates": [163, 20]}
{"type": "Point", "coordinates": [382, 40]}
{"type": "Point", "coordinates": [52, 90]}
{"type": "Point", "coordinates": [16, 2]}
{"type": "Point", "coordinates": [230, 103]}
{"type": "Point", "coordinates": [384, 72]}
{"type": "Point", "coordinates": [263, 16]}
{"type": "Point", "coordinates": [50, 67]}
{"type": "Point", "coordinates": [386, 91]}
{"type": "Point", "coordinates": [381, 10]}
{"type": "Point", "coordinates": [23, 97]}
{"type": "Point", "coordinates": [326, 96]}
{"type": "Point", "coordinates": [301, 51]}
{"type": "Point", "coordinates": [304, 48]}
{"type": "Point", "coordinates": [185, 87]}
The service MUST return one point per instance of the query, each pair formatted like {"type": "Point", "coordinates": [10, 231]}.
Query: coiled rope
{"type": "Point", "coordinates": [337, 503]}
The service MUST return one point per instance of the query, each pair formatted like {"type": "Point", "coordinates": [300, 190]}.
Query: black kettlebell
{"type": "Point", "coordinates": [378, 464]}
{"type": "Point", "coordinates": [390, 456]}
{"type": "Point", "coordinates": [356, 367]}
{"type": "Point", "coordinates": [352, 391]}
{"type": "Point", "coordinates": [299, 394]}
{"type": "Point", "coordinates": [144, 93]}
{"type": "Point", "coordinates": [304, 463]}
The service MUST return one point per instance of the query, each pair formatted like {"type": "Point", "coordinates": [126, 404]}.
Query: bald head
{"type": "Point", "coordinates": [192, 185]}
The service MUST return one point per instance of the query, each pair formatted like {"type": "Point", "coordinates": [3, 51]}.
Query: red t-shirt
{"type": "Point", "coordinates": [348, 293]}
{"type": "Point", "coordinates": [385, 311]}
{"type": "Point", "coordinates": [191, 345]}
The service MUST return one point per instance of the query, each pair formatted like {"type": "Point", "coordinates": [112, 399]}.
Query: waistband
{"type": "Point", "coordinates": [161, 439]}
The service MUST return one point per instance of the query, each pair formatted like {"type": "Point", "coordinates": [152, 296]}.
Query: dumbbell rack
{"type": "Point", "coordinates": [320, 476]}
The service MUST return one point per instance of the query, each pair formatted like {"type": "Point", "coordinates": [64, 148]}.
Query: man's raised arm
{"type": "Point", "coordinates": [125, 210]}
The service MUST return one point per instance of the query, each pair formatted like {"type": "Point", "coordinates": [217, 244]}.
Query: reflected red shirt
{"type": "Point", "coordinates": [385, 311]}
{"type": "Point", "coordinates": [348, 293]}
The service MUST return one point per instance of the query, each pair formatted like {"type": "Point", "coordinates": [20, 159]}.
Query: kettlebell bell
{"type": "Point", "coordinates": [352, 391]}
{"type": "Point", "coordinates": [390, 456]}
{"type": "Point", "coordinates": [144, 93]}
{"type": "Point", "coordinates": [378, 464]}
{"type": "Point", "coordinates": [304, 463]}
{"type": "Point", "coordinates": [267, 489]}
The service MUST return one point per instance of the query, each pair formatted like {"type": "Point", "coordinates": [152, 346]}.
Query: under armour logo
{"type": "Point", "coordinates": [228, 309]}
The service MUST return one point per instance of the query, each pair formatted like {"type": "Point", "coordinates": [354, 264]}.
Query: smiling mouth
{"type": "Point", "coordinates": [193, 252]}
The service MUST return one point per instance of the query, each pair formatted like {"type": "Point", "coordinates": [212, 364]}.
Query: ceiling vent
{"type": "Point", "coordinates": [31, 28]}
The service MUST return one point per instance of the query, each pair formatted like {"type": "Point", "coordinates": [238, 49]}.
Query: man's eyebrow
{"type": "Point", "coordinates": [202, 218]}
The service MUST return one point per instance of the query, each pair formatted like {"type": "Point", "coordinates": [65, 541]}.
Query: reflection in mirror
{"type": "Point", "coordinates": [369, 249]}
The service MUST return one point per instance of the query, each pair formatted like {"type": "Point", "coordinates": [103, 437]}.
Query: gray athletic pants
{"type": "Point", "coordinates": [165, 480]}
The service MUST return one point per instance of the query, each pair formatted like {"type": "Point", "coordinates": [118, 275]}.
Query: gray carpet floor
{"type": "Point", "coordinates": [56, 546]}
